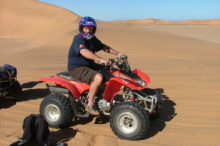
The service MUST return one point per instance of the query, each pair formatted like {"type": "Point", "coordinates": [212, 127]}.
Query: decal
{"type": "Point", "coordinates": [81, 45]}
{"type": "Point", "coordinates": [121, 76]}
{"type": "Point", "coordinates": [124, 81]}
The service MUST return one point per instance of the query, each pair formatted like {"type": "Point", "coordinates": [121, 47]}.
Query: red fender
{"type": "Point", "coordinates": [114, 86]}
{"type": "Point", "coordinates": [143, 76]}
{"type": "Point", "coordinates": [74, 87]}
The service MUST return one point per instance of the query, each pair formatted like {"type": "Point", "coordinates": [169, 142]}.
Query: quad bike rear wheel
{"type": "Point", "coordinates": [57, 110]}
{"type": "Point", "coordinates": [129, 121]}
{"type": "Point", "coordinates": [14, 92]}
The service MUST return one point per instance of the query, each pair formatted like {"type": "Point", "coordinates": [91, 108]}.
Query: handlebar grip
{"type": "Point", "coordinates": [123, 57]}
{"type": "Point", "coordinates": [112, 60]}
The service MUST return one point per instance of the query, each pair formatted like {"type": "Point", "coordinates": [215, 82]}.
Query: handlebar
{"type": "Point", "coordinates": [123, 65]}
{"type": "Point", "coordinates": [116, 60]}
{"type": "Point", "coordinates": [121, 62]}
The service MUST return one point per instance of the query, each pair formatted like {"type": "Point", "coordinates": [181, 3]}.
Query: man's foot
{"type": "Point", "coordinates": [92, 110]}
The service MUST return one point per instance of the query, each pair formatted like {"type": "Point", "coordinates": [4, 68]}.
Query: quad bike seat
{"type": "Point", "coordinates": [66, 75]}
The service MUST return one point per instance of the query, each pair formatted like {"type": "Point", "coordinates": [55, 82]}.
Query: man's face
{"type": "Point", "coordinates": [87, 29]}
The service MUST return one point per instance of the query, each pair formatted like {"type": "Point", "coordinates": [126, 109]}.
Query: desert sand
{"type": "Point", "coordinates": [183, 64]}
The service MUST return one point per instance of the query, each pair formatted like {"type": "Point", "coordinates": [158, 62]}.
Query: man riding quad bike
{"type": "Point", "coordinates": [129, 113]}
{"type": "Point", "coordinates": [10, 88]}
{"type": "Point", "coordinates": [92, 88]}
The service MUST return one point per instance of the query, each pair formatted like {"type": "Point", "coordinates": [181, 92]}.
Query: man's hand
{"type": "Point", "coordinates": [105, 61]}
{"type": "Point", "coordinates": [119, 54]}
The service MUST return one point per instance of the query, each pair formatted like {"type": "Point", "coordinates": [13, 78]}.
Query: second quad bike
{"type": "Point", "coordinates": [10, 88]}
{"type": "Point", "coordinates": [123, 96]}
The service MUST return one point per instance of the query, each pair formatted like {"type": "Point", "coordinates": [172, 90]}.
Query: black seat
{"type": "Point", "coordinates": [66, 75]}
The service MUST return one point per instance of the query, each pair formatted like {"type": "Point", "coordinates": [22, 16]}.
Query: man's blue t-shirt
{"type": "Point", "coordinates": [79, 42]}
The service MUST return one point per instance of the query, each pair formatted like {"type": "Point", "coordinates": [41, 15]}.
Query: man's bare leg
{"type": "Point", "coordinates": [93, 89]}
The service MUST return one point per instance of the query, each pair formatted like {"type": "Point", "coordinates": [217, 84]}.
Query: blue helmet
{"type": "Point", "coordinates": [87, 21]}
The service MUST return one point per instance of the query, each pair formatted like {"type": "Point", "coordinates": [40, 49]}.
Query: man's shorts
{"type": "Point", "coordinates": [85, 74]}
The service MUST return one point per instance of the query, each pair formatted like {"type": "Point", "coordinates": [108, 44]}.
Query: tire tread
{"type": "Point", "coordinates": [66, 106]}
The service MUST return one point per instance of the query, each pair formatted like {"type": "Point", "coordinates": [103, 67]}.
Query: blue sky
{"type": "Point", "coordinates": [107, 10]}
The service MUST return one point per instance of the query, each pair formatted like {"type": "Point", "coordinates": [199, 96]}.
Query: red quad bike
{"type": "Point", "coordinates": [129, 114]}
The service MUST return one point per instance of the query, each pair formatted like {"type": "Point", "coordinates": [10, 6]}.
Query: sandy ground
{"type": "Point", "coordinates": [183, 64]}
{"type": "Point", "coordinates": [206, 33]}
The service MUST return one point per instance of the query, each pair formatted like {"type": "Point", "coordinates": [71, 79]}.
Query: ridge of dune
{"type": "Point", "coordinates": [151, 21]}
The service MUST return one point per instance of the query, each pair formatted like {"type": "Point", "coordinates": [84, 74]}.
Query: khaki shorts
{"type": "Point", "coordinates": [85, 74]}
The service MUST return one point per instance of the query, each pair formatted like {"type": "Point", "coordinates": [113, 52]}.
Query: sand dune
{"type": "Point", "coordinates": [35, 38]}
{"type": "Point", "coordinates": [29, 23]}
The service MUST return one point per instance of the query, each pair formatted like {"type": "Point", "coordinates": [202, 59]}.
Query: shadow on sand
{"type": "Point", "coordinates": [62, 135]}
{"type": "Point", "coordinates": [28, 94]}
{"type": "Point", "coordinates": [6, 103]}
{"type": "Point", "coordinates": [167, 115]}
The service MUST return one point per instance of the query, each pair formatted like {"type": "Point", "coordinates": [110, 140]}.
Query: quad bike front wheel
{"type": "Point", "coordinates": [14, 92]}
{"type": "Point", "coordinates": [57, 110]}
{"type": "Point", "coordinates": [129, 121]}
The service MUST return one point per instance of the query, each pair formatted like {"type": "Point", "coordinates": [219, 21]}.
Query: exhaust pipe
{"type": "Point", "coordinates": [58, 90]}
{"type": "Point", "coordinates": [75, 108]}
{"type": "Point", "coordinates": [75, 111]}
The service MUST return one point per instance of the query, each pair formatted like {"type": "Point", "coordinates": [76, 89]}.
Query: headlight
{"type": "Point", "coordinates": [140, 81]}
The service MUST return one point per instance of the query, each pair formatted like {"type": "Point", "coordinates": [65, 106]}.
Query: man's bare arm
{"type": "Point", "coordinates": [89, 55]}
{"type": "Point", "coordinates": [108, 49]}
